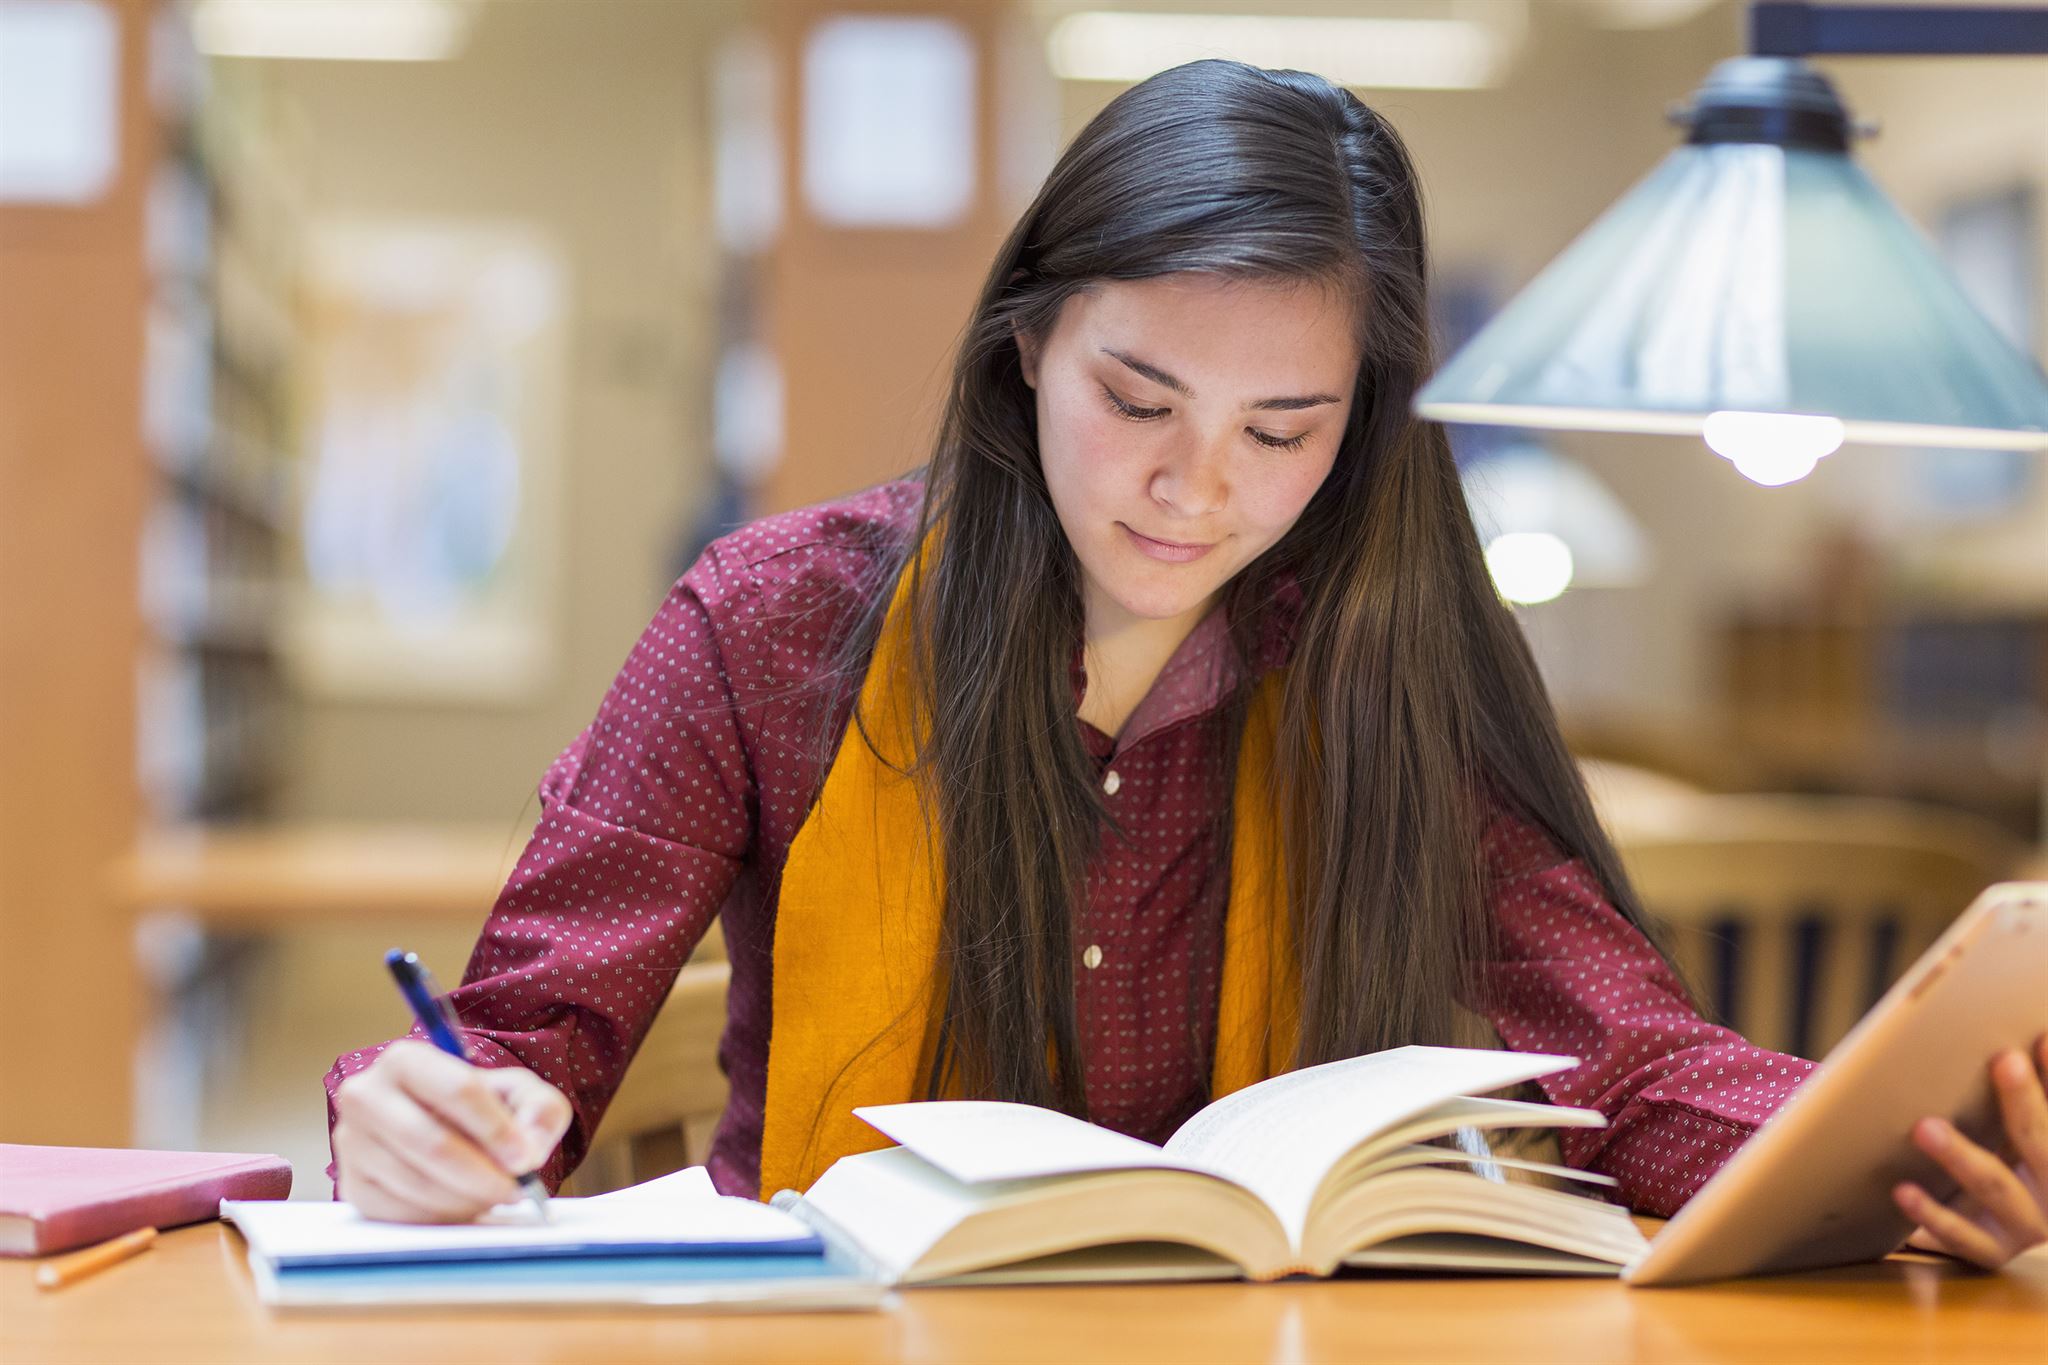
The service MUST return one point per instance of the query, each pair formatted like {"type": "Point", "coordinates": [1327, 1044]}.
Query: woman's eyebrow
{"type": "Point", "coordinates": [1159, 376]}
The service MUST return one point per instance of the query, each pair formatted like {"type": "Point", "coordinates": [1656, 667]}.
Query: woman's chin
{"type": "Point", "coordinates": [1161, 605]}
{"type": "Point", "coordinates": [1142, 589]}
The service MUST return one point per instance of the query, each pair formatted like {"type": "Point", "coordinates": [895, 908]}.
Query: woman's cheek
{"type": "Point", "coordinates": [1278, 494]}
{"type": "Point", "coordinates": [1084, 456]}
{"type": "Point", "coordinates": [1108, 450]}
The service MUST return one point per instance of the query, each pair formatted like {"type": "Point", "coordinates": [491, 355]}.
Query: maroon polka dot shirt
{"type": "Point", "coordinates": [679, 801]}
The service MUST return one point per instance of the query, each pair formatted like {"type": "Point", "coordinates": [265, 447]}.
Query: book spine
{"type": "Point", "coordinates": [158, 1206]}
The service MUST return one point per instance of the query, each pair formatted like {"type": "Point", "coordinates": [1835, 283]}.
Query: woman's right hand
{"type": "Point", "coordinates": [422, 1137]}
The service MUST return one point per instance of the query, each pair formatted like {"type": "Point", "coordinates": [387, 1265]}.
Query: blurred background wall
{"type": "Point", "coordinates": [591, 132]}
{"type": "Point", "coordinates": [284, 270]}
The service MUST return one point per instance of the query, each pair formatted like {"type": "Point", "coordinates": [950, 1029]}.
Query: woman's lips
{"type": "Point", "coordinates": [1172, 552]}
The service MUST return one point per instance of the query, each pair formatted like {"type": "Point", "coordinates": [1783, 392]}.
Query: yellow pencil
{"type": "Point", "coordinates": [79, 1264]}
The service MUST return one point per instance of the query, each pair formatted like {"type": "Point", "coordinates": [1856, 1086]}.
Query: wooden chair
{"type": "Point", "coordinates": [663, 1116]}
{"type": "Point", "coordinates": [1794, 914]}
{"type": "Point", "coordinates": [1626, 794]}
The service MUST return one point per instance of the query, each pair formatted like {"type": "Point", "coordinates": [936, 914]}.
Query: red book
{"type": "Point", "coordinates": [55, 1198]}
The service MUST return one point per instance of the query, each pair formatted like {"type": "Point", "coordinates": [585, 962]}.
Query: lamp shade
{"type": "Point", "coordinates": [1751, 272]}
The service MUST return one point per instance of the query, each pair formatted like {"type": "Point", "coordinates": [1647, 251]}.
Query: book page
{"type": "Point", "coordinates": [891, 1205]}
{"type": "Point", "coordinates": [1278, 1138]}
{"type": "Point", "coordinates": [1479, 1164]}
{"type": "Point", "coordinates": [1466, 1120]}
{"type": "Point", "coordinates": [984, 1140]}
{"type": "Point", "coordinates": [678, 1212]}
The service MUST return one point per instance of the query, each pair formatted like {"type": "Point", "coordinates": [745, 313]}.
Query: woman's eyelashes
{"type": "Point", "coordinates": [1131, 412]}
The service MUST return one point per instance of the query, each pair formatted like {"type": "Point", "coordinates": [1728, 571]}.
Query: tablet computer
{"type": "Point", "coordinates": [1812, 1186]}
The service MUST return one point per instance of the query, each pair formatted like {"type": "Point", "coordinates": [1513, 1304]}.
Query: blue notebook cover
{"type": "Point", "coordinates": [561, 1254]}
{"type": "Point", "coordinates": [560, 1270]}
{"type": "Point", "coordinates": [748, 1283]}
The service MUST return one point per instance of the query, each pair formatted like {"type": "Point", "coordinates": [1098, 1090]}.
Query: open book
{"type": "Point", "coordinates": [1329, 1165]}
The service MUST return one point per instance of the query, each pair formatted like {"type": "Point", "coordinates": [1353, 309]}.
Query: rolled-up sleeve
{"type": "Point", "coordinates": [645, 822]}
{"type": "Point", "coordinates": [1570, 974]}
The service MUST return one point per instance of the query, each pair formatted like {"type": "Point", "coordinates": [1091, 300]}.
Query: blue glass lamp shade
{"type": "Point", "coordinates": [1757, 274]}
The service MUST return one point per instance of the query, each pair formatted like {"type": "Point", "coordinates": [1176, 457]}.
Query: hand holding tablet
{"type": "Point", "coordinates": [2006, 1209]}
{"type": "Point", "coordinates": [1902, 1115]}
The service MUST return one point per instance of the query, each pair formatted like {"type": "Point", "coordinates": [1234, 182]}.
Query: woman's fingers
{"type": "Point", "coordinates": [427, 1145]}
{"type": "Point", "coordinates": [1947, 1229]}
{"type": "Point", "coordinates": [2023, 1100]}
{"type": "Point", "coordinates": [463, 1097]}
{"type": "Point", "coordinates": [415, 1139]}
{"type": "Point", "coordinates": [539, 1110]}
{"type": "Point", "coordinates": [1994, 1185]}
{"type": "Point", "coordinates": [370, 1178]}
{"type": "Point", "coordinates": [403, 1137]}
{"type": "Point", "coordinates": [398, 1192]}
{"type": "Point", "coordinates": [369, 1198]}
{"type": "Point", "coordinates": [2015, 1213]}
{"type": "Point", "coordinates": [421, 1135]}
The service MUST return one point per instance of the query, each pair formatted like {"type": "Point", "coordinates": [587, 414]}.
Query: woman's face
{"type": "Point", "coordinates": [1184, 422]}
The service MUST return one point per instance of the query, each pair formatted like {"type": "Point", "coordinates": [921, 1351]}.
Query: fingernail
{"type": "Point", "coordinates": [1935, 1132]}
{"type": "Point", "coordinates": [2012, 1069]}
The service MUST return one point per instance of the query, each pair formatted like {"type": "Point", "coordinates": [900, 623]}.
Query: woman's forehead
{"type": "Point", "coordinates": [1233, 331]}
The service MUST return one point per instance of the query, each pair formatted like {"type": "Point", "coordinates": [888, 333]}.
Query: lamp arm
{"type": "Point", "coordinates": [1796, 28]}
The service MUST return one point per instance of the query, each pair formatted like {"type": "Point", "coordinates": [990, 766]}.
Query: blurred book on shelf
{"type": "Point", "coordinates": [224, 223]}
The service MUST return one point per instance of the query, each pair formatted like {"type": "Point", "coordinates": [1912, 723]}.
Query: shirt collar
{"type": "Point", "coordinates": [1206, 668]}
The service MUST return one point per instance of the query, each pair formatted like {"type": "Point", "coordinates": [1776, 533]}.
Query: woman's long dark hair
{"type": "Point", "coordinates": [1412, 709]}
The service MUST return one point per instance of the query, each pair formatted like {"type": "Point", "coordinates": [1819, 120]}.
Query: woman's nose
{"type": "Point", "coordinates": [1192, 483]}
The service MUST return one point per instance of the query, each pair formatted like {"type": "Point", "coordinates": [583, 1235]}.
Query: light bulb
{"type": "Point", "coordinates": [1773, 468]}
{"type": "Point", "coordinates": [1772, 448]}
{"type": "Point", "coordinates": [1529, 566]}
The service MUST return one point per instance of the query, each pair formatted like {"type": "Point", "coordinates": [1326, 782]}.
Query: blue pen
{"type": "Point", "coordinates": [430, 1007]}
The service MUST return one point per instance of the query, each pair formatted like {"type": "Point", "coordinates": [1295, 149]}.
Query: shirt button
{"type": "Point", "coordinates": [1111, 781]}
{"type": "Point", "coordinates": [1091, 956]}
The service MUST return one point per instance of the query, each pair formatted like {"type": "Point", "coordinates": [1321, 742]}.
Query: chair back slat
{"type": "Point", "coordinates": [1792, 915]}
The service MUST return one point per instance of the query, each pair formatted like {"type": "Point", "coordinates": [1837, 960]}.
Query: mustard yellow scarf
{"type": "Point", "coordinates": [857, 935]}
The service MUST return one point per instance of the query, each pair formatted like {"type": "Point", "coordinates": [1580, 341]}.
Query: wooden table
{"type": "Point", "coordinates": [269, 879]}
{"type": "Point", "coordinates": [190, 1299]}
{"type": "Point", "coordinates": [266, 877]}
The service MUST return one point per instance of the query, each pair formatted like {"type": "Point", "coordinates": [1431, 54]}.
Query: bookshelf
{"type": "Point", "coordinates": [220, 425]}
{"type": "Point", "coordinates": [146, 420]}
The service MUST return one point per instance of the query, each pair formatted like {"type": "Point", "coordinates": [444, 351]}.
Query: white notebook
{"type": "Point", "coordinates": [672, 1241]}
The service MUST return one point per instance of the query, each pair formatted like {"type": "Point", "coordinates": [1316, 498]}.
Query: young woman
{"type": "Point", "coordinates": [1164, 734]}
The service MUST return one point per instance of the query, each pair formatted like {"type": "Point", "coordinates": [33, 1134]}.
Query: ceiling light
{"type": "Point", "coordinates": [334, 30]}
{"type": "Point", "coordinates": [1529, 566]}
{"type": "Point", "coordinates": [1421, 54]}
{"type": "Point", "coordinates": [1526, 487]}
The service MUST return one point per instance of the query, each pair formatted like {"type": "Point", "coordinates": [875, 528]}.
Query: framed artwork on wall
{"type": "Point", "coordinates": [427, 516]}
